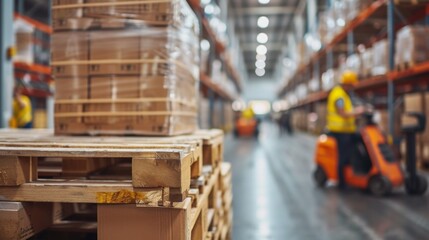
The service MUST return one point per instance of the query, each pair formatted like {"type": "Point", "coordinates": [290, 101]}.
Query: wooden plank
{"type": "Point", "coordinates": [45, 138]}
{"type": "Point", "coordinates": [83, 192]}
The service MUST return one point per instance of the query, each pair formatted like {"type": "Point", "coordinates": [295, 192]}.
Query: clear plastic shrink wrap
{"type": "Point", "coordinates": [412, 46]}
{"type": "Point", "coordinates": [380, 58]}
{"type": "Point", "coordinates": [125, 67]}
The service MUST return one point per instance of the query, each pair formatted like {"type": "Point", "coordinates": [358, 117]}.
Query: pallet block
{"type": "Point", "coordinates": [23, 220]}
{"type": "Point", "coordinates": [179, 222]}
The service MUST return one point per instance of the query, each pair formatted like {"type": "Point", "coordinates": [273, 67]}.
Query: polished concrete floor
{"type": "Point", "coordinates": [275, 197]}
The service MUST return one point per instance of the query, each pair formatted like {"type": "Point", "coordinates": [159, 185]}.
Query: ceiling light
{"type": "Point", "coordinates": [262, 38]}
{"type": "Point", "coordinates": [263, 1]}
{"type": "Point", "coordinates": [261, 50]}
{"type": "Point", "coordinates": [263, 22]}
{"type": "Point", "coordinates": [260, 64]}
{"type": "Point", "coordinates": [209, 9]}
{"type": "Point", "coordinates": [260, 72]}
{"type": "Point", "coordinates": [205, 45]}
{"type": "Point", "coordinates": [205, 2]}
{"type": "Point", "coordinates": [261, 57]}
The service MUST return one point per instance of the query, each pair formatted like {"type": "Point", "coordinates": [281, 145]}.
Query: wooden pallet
{"type": "Point", "coordinates": [160, 171]}
{"type": "Point", "coordinates": [192, 214]}
{"type": "Point", "coordinates": [213, 146]}
{"type": "Point", "coordinates": [404, 66]}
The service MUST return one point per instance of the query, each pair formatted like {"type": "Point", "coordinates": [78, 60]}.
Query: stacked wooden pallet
{"type": "Point", "coordinates": [147, 188]}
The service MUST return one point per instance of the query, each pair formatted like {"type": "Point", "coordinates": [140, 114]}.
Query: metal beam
{"type": "Point", "coordinates": [265, 10]}
{"type": "Point", "coordinates": [6, 67]}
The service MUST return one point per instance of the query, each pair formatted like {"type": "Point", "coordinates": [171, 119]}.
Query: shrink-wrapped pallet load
{"type": "Point", "coordinates": [125, 67]}
{"type": "Point", "coordinates": [412, 46]}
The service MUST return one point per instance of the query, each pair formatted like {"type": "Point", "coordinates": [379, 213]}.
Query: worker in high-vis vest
{"type": "Point", "coordinates": [22, 116]}
{"type": "Point", "coordinates": [341, 120]}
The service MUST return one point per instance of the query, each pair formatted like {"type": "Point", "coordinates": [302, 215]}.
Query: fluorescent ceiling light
{"type": "Point", "coordinates": [209, 9]}
{"type": "Point", "coordinates": [263, 22]}
{"type": "Point", "coordinates": [262, 38]}
{"type": "Point", "coordinates": [205, 45]}
{"type": "Point", "coordinates": [261, 57]}
{"type": "Point", "coordinates": [263, 1]}
{"type": "Point", "coordinates": [260, 72]}
{"type": "Point", "coordinates": [261, 50]}
{"type": "Point", "coordinates": [260, 64]}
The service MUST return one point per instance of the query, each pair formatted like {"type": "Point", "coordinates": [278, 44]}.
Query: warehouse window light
{"type": "Point", "coordinates": [261, 57]}
{"type": "Point", "coordinates": [261, 49]}
{"type": "Point", "coordinates": [264, 1]}
{"type": "Point", "coordinates": [260, 107]}
{"type": "Point", "coordinates": [263, 22]}
{"type": "Point", "coordinates": [260, 64]}
{"type": "Point", "coordinates": [260, 72]}
{"type": "Point", "coordinates": [262, 38]}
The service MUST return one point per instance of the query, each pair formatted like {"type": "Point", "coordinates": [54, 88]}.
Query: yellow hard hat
{"type": "Point", "coordinates": [349, 77]}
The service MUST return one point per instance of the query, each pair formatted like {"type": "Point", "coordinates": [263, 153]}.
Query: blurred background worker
{"type": "Point", "coordinates": [22, 110]}
{"type": "Point", "coordinates": [341, 119]}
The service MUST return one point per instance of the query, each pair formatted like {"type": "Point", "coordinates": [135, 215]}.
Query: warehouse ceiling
{"type": "Point", "coordinates": [246, 14]}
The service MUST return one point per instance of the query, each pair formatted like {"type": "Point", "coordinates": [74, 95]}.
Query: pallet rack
{"type": "Point", "coordinates": [391, 85]}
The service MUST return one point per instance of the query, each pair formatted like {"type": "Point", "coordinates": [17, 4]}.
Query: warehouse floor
{"type": "Point", "coordinates": [275, 197]}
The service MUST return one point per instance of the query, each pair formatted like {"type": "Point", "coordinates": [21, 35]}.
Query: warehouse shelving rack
{"type": "Point", "coordinates": [209, 88]}
{"type": "Point", "coordinates": [39, 73]}
{"type": "Point", "coordinates": [395, 82]}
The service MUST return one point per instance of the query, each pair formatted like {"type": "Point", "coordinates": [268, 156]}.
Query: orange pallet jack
{"type": "Point", "coordinates": [372, 166]}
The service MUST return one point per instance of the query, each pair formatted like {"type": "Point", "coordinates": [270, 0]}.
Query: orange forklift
{"type": "Point", "coordinates": [246, 124]}
{"type": "Point", "coordinates": [372, 166]}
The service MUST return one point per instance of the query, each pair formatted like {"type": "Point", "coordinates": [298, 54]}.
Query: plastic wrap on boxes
{"type": "Point", "coordinates": [412, 45]}
{"type": "Point", "coordinates": [367, 62]}
{"type": "Point", "coordinates": [327, 26]}
{"type": "Point", "coordinates": [329, 79]}
{"type": "Point", "coordinates": [136, 74]}
{"type": "Point", "coordinates": [380, 58]}
{"type": "Point", "coordinates": [314, 85]}
{"type": "Point", "coordinates": [354, 63]}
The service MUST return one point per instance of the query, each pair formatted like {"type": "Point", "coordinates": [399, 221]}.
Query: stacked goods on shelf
{"type": "Point", "coordinates": [330, 79]}
{"type": "Point", "coordinates": [229, 117]}
{"type": "Point", "coordinates": [321, 112]}
{"type": "Point", "coordinates": [412, 46]}
{"type": "Point", "coordinates": [367, 62]}
{"type": "Point", "coordinates": [418, 102]}
{"type": "Point", "coordinates": [204, 113]}
{"type": "Point", "coordinates": [333, 20]}
{"type": "Point", "coordinates": [159, 185]}
{"type": "Point", "coordinates": [300, 120]}
{"type": "Point", "coordinates": [380, 58]}
{"type": "Point", "coordinates": [125, 67]}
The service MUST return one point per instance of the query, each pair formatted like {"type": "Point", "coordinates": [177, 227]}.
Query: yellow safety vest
{"type": "Point", "coordinates": [335, 122]}
{"type": "Point", "coordinates": [22, 115]}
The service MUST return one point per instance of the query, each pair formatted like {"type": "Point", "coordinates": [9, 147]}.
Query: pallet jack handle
{"type": "Point", "coordinates": [410, 138]}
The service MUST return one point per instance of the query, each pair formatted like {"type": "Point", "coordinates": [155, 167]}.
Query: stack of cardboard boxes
{"type": "Point", "coordinates": [125, 67]}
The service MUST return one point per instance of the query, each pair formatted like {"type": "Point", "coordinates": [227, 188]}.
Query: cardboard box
{"type": "Point", "coordinates": [23, 220]}
{"type": "Point", "coordinates": [131, 222]}
{"type": "Point", "coordinates": [71, 88]}
{"type": "Point", "coordinates": [115, 45]}
{"type": "Point", "coordinates": [24, 47]}
{"type": "Point", "coordinates": [69, 46]}
{"type": "Point", "coordinates": [67, 12]}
